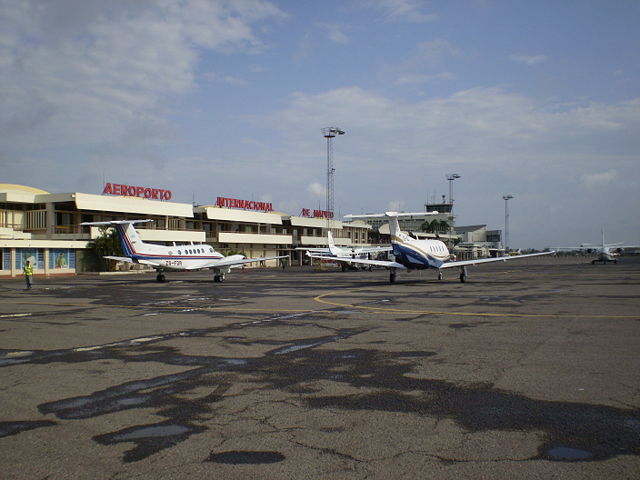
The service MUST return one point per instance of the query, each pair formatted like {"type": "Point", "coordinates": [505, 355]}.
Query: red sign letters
{"type": "Point", "coordinates": [245, 204]}
{"type": "Point", "coordinates": [134, 191]}
{"type": "Point", "coordinates": [306, 212]}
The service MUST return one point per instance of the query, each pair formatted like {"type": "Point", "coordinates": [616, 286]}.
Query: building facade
{"type": "Point", "coordinates": [45, 227]}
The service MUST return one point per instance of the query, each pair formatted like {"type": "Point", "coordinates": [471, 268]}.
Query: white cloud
{"type": "Point", "coordinates": [395, 206]}
{"type": "Point", "coordinates": [424, 63]}
{"type": "Point", "coordinates": [403, 10]}
{"type": "Point", "coordinates": [228, 79]}
{"type": "Point", "coordinates": [487, 126]}
{"type": "Point", "coordinates": [435, 50]}
{"type": "Point", "coordinates": [336, 34]}
{"type": "Point", "coordinates": [529, 59]}
{"type": "Point", "coordinates": [598, 180]}
{"type": "Point", "coordinates": [91, 72]}
{"type": "Point", "coordinates": [417, 78]}
{"type": "Point", "coordinates": [317, 190]}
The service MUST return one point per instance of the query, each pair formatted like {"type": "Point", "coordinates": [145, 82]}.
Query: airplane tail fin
{"type": "Point", "coordinates": [332, 245]}
{"type": "Point", "coordinates": [394, 226]}
{"type": "Point", "coordinates": [130, 241]}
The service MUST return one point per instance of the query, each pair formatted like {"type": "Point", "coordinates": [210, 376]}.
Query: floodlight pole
{"type": "Point", "coordinates": [506, 199]}
{"type": "Point", "coordinates": [451, 177]}
{"type": "Point", "coordinates": [330, 133]}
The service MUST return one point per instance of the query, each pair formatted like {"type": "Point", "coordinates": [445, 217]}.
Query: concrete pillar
{"type": "Point", "coordinates": [46, 261]}
{"type": "Point", "coordinates": [12, 254]}
{"type": "Point", "coordinates": [50, 219]}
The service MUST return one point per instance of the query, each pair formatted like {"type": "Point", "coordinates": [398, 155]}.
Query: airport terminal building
{"type": "Point", "coordinates": [45, 227]}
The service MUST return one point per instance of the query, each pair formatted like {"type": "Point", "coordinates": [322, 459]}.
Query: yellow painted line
{"type": "Point", "coordinates": [321, 299]}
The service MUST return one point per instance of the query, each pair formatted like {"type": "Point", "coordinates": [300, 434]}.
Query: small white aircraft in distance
{"type": "Point", "coordinates": [175, 257]}
{"type": "Point", "coordinates": [336, 251]}
{"type": "Point", "coordinates": [606, 252]}
{"type": "Point", "coordinates": [414, 254]}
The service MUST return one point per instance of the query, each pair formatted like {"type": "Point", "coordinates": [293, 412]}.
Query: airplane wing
{"type": "Point", "coordinates": [119, 259]}
{"type": "Point", "coordinates": [589, 246]}
{"type": "Point", "coordinates": [359, 250]}
{"type": "Point", "coordinates": [314, 249]}
{"type": "Point", "coordinates": [234, 262]}
{"type": "Point", "coordinates": [130, 260]}
{"type": "Point", "coordinates": [464, 263]}
{"type": "Point", "coordinates": [362, 261]}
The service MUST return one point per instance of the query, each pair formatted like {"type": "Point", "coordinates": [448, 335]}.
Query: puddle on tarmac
{"type": "Point", "coordinates": [295, 348]}
{"type": "Point", "coordinates": [154, 431]}
{"type": "Point", "coordinates": [459, 326]}
{"type": "Point", "coordinates": [149, 439]}
{"type": "Point", "coordinates": [568, 454]}
{"type": "Point", "coordinates": [12, 428]}
{"type": "Point", "coordinates": [245, 457]}
{"type": "Point", "coordinates": [303, 346]}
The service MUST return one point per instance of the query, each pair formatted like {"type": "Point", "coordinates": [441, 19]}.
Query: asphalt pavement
{"type": "Point", "coordinates": [528, 370]}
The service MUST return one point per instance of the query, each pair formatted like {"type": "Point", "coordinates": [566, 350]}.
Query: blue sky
{"type": "Point", "coordinates": [227, 98]}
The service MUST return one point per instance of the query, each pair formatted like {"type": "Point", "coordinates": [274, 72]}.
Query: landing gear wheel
{"type": "Point", "coordinates": [392, 276]}
{"type": "Point", "coordinates": [219, 278]}
{"type": "Point", "coordinates": [463, 274]}
{"type": "Point", "coordinates": [593, 262]}
{"type": "Point", "coordinates": [439, 275]}
{"type": "Point", "coordinates": [161, 277]}
{"type": "Point", "coordinates": [615, 262]}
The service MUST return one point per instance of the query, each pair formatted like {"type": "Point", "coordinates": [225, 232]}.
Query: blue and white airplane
{"type": "Point", "coordinates": [413, 254]}
{"type": "Point", "coordinates": [175, 257]}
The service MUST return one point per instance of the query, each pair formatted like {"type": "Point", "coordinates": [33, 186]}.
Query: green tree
{"type": "Point", "coordinates": [108, 243]}
{"type": "Point", "coordinates": [427, 226]}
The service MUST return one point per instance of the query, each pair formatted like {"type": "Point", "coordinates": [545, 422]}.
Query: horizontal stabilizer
{"type": "Point", "coordinates": [362, 261]}
{"type": "Point", "coordinates": [392, 214]}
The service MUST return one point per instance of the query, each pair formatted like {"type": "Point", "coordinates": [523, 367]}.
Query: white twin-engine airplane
{"type": "Point", "coordinates": [175, 257]}
{"type": "Point", "coordinates": [414, 254]}
{"type": "Point", "coordinates": [606, 252]}
{"type": "Point", "coordinates": [337, 251]}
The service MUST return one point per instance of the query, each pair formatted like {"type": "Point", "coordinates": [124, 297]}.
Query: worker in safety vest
{"type": "Point", "coordinates": [28, 273]}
